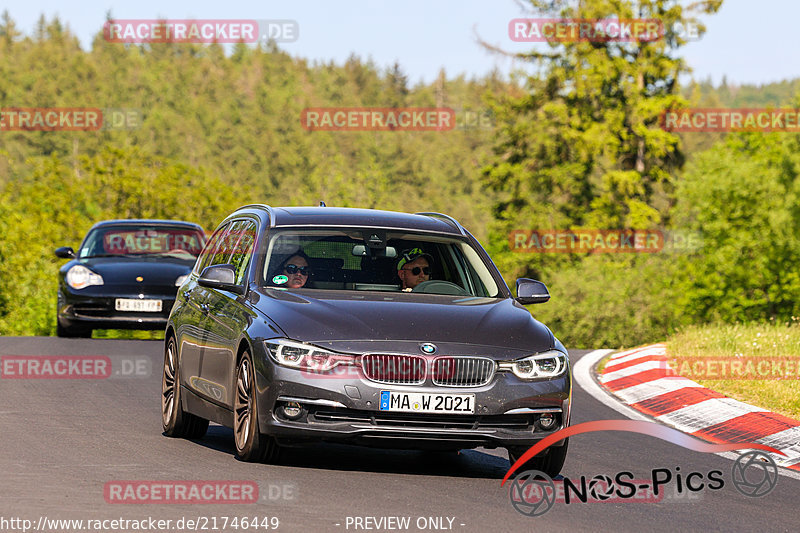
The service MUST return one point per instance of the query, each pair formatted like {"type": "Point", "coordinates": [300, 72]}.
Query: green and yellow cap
{"type": "Point", "coordinates": [412, 254]}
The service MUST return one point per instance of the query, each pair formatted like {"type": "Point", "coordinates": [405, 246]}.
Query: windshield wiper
{"type": "Point", "coordinates": [182, 253]}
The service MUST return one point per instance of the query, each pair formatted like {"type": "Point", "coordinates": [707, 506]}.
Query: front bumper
{"type": "Point", "coordinates": [346, 409]}
{"type": "Point", "coordinates": [91, 309]}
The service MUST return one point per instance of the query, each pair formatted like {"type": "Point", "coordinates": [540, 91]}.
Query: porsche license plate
{"type": "Point", "coordinates": [421, 402]}
{"type": "Point", "coordinates": [141, 306]}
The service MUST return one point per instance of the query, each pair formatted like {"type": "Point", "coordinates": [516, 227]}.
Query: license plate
{"type": "Point", "coordinates": [142, 306]}
{"type": "Point", "coordinates": [422, 402]}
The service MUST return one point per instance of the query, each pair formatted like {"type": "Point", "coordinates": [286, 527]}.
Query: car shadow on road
{"type": "Point", "coordinates": [328, 456]}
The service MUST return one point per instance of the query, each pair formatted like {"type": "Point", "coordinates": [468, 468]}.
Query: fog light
{"type": "Point", "coordinates": [292, 410]}
{"type": "Point", "coordinates": [547, 421]}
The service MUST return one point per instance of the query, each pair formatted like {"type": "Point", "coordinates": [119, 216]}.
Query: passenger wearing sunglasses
{"type": "Point", "coordinates": [297, 270]}
{"type": "Point", "coordinates": [414, 268]}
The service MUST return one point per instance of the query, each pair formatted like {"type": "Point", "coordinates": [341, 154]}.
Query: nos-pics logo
{"type": "Point", "coordinates": [533, 492]}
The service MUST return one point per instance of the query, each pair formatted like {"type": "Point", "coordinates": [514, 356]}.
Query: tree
{"type": "Point", "coordinates": [55, 204]}
{"type": "Point", "coordinates": [743, 196]}
{"type": "Point", "coordinates": [8, 30]}
{"type": "Point", "coordinates": [396, 86]}
{"type": "Point", "coordinates": [582, 146]}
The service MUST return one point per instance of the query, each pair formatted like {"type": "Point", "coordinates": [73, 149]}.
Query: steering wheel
{"type": "Point", "coordinates": [439, 286]}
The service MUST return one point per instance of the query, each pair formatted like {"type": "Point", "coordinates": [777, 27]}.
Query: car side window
{"type": "Point", "coordinates": [222, 252]}
{"type": "Point", "coordinates": [243, 249]}
{"type": "Point", "coordinates": [205, 256]}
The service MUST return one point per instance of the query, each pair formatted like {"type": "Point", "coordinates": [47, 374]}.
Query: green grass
{"type": "Point", "coordinates": [746, 341]}
{"type": "Point", "coordinates": [128, 334]}
{"type": "Point", "coordinates": [602, 364]}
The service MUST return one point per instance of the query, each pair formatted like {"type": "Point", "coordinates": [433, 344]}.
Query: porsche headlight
{"type": "Point", "coordinates": [181, 279]}
{"type": "Point", "coordinates": [305, 357]}
{"type": "Point", "coordinates": [79, 277]}
{"type": "Point", "coordinates": [549, 364]}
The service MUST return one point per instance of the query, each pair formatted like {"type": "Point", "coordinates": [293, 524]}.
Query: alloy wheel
{"type": "Point", "coordinates": [168, 383]}
{"type": "Point", "coordinates": [243, 408]}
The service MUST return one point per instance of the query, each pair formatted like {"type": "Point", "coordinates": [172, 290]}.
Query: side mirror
{"type": "Point", "coordinates": [65, 252]}
{"type": "Point", "coordinates": [220, 277]}
{"type": "Point", "coordinates": [530, 291]}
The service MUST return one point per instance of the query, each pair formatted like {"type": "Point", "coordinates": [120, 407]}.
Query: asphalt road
{"type": "Point", "coordinates": [63, 440]}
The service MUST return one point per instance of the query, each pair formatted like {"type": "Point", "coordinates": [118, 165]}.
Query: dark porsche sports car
{"type": "Point", "coordinates": [125, 275]}
{"type": "Point", "coordinates": [360, 326]}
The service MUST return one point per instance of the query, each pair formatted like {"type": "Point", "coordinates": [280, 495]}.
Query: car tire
{"type": "Point", "coordinates": [251, 445]}
{"type": "Point", "coordinates": [72, 332]}
{"type": "Point", "coordinates": [549, 461]}
{"type": "Point", "coordinates": [174, 420]}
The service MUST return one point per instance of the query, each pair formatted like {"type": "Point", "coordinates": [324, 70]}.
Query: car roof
{"type": "Point", "coordinates": [157, 222]}
{"type": "Point", "coordinates": [370, 218]}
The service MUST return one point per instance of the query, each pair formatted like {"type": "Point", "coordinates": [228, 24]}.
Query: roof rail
{"type": "Point", "coordinates": [265, 207]}
{"type": "Point", "coordinates": [453, 222]}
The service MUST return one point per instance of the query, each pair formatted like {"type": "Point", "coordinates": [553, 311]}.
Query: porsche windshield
{"type": "Point", "coordinates": [375, 260]}
{"type": "Point", "coordinates": [143, 240]}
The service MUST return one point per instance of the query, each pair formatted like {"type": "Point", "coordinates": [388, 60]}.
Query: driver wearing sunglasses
{"type": "Point", "coordinates": [297, 270]}
{"type": "Point", "coordinates": [414, 268]}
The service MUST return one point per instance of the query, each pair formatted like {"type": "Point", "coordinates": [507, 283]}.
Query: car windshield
{"type": "Point", "coordinates": [143, 240]}
{"type": "Point", "coordinates": [368, 260]}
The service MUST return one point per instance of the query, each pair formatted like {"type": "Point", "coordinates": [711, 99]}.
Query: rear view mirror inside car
{"type": "Point", "coordinates": [360, 250]}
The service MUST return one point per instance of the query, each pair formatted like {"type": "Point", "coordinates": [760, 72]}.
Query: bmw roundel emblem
{"type": "Point", "coordinates": [428, 348]}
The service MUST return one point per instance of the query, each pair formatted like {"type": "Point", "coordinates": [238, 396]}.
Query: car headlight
{"type": "Point", "coordinates": [549, 364]}
{"type": "Point", "coordinates": [305, 357]}
{"type": "Point", "coordinates": [181, 279]}
{"type": "Point", "coordinates": [79, 277]}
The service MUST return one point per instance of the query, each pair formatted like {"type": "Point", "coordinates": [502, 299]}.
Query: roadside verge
{"type": "Point", "coordinates": [642, 380]}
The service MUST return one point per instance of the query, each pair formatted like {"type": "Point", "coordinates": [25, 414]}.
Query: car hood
{"type": "Point", "coordinates": [348, 321]}
{"type": "Point", "coordinates": [154, 271]}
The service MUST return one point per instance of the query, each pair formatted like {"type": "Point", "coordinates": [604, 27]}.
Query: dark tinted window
{"type": "Point", "coordinates": [143, 240]}
{"type": "Point", "coordinates": [205, 257]}
{"type": "Point", "coordinates": [227, 241]}
{"type": "Point", "coordinates": [242, 250]}
{"type": "Point", "coordinates": [345, 260]}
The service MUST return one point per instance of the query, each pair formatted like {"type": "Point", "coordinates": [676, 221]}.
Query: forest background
{"type": "Point", "coordinates": [572, 142]}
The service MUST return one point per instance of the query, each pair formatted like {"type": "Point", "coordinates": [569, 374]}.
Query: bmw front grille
{"type": "Point", "coordinates": [413, 370]}
{"type": "Point", "coordinates": [395, 369]}
{"type": "Point", "coordinates": [462, 371]}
